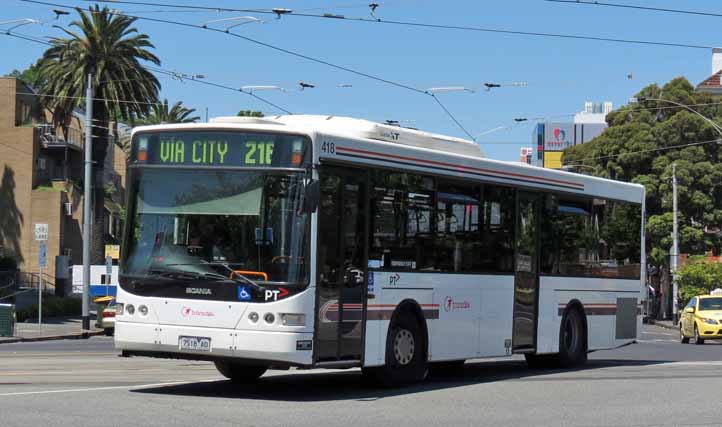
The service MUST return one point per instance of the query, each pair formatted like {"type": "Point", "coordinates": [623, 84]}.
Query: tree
{"type": "Point", "coordinates": [640, 146]}
{"type": "Point", "coordinates": [110, 48]}
{"type": "Point", "coordinates": [160, 113]}
{"type": "Point", "coordinates": [249, 113]}
{"type": "Point", "coordinates": [699, 276]}
{"type": "Point", "coordinates": [31, 76]}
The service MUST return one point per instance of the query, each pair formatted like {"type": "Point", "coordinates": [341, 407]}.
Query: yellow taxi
{"type": "Point", "coordinates": [701, 319]}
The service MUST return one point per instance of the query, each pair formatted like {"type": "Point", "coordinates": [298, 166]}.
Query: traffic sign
{"type": "Point", "coordinates": [42, 254]}
{"type": "Point", "coordinates": [41, 232]}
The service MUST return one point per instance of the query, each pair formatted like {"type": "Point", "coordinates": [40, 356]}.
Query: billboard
{"type": "Point", "coordinates": [558, 136]}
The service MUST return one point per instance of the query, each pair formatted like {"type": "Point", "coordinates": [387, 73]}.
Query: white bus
{"type": "Point", "coordinates": [331, 242]}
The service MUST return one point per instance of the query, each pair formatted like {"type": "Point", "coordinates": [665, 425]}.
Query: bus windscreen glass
{"type": "Point", "coordinates": [202, 225]}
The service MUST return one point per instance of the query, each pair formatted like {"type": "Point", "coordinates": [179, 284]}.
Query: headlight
{"type": "Point", "coordinates": [130, 309]}
{"type": "Point", "coordinates": [119, 309]}
{"type": "Point", "coordinates": [288, 319]}
{"type": "Point", "coordinates": [143, 310]}
{"type": "Point", "coordinates": [710, 321]}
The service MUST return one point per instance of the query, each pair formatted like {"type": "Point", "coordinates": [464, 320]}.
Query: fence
{"type": "Point", "coordinates": [13, 283]}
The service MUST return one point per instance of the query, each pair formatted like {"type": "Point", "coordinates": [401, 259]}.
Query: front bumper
{"type": "Point", "coordinates": [709, 332]}
{"type": "Point", "coordinates": [278, 348]}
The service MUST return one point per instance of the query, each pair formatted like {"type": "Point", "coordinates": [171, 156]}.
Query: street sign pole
{"type": "Point", "coordinates": [108, 272]}
{"type": "Point", "coordinates": [41, 236]}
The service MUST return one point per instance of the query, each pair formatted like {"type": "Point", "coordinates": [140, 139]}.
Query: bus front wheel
{"type": "Point", "coordinates": [572, 339]}
{"type": "Point", "coordinates": [405, 353]}
{"type": "Point", "coordinates": [239, 373]}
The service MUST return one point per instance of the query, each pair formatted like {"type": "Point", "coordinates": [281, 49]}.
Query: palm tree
{"type": "Point", "coordinates": [109, 48]}
{"type": "Point", "coordinates": [159, 114]}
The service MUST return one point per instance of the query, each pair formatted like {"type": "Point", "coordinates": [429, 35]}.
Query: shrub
{"type": "Point", "coordinates": [698, 277]}
{"type": "Point", "coordinates": [8, 263]}
{"type": "Point", "coordinates": [52, 307]}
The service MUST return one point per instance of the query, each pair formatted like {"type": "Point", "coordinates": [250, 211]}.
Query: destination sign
{"type": "Point", "coordinates": [233, 149]}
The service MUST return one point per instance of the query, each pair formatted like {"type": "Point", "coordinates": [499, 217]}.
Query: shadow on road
{"type": "Point", "coordinates": [326, 386]}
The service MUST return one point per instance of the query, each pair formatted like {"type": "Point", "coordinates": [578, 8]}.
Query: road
{"type": "Point", "coordinates": [68, 383]}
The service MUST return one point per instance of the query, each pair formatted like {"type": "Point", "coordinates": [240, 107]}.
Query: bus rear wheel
{"type": "Point", "coordinates": [239, 373]}
{"type": "Point", "coordinates": [405, 353]}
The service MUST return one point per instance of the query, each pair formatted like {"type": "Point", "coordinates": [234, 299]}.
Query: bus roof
{"type": "Point", "coordinates": [429, 147]}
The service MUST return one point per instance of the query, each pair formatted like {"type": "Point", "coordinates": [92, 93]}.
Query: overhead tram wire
{"type": "Point", "coordinates": [631, 6]}
{"type": "Point", "coordinates": [153, 69]}
{"type": "Point", "coordinates": [278, 49]}
{"type": "Point", "coordinates": [291, 13]}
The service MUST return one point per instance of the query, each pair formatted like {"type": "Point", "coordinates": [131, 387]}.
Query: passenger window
{"type": "Point", "coordinates": [401, 221]}
{"type": "Point", "coordinates": [458, 237]}
{"type": "Point", "coordinates": [497, 233]}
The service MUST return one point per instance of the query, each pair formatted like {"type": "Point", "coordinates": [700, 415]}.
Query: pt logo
{"type": "Point", "coordinates": [275, 294]}
{"type": "Point", "coordinates": [394, 279]}
{"type": "Point", "coordinates": [560, 134]}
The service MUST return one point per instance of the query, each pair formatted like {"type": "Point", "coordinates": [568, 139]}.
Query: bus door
{"type": "Point", "coordinates": [526, 276]}
{"type": "Point", "coordinates": [341, 268]}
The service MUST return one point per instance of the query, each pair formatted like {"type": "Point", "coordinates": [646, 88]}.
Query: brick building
{"type": "Point", "coordinates": [41, 171]}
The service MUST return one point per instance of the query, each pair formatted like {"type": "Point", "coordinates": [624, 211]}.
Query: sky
{"type": "Point", "coordinates": [559, 74]}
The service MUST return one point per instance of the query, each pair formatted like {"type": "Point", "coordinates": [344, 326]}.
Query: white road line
{"type": "Point", "coordinates": [128, 387]}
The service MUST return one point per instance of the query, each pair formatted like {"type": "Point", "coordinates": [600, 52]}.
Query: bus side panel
{"type": "Point", "coordinates": [389, 290]}
{"type": "Point", "coordinates": [467, 316]}
{"type": "Point", "coordinates": [497, 310]}
{"type": "Point", "coordinates": [611, 307]}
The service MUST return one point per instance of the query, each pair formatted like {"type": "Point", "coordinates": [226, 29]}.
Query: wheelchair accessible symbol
{"type": "Point", "coordinates": [243, 294]}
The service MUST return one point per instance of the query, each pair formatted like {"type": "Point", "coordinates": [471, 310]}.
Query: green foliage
{"type": "Point", "coordinates": [31, 76]}
{"type": "Point", "coordinates": [160, 114]}
{"type": "Point", "coordinates": [698, 277]}
{"type": "Point", "coordinates": [641, 144]}
{"type": "Point", "coordinates": [249, 113]}
{"type": "Point", "coordinates": [52, 307]}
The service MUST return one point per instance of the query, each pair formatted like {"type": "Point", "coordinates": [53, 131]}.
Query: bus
{"type": "Point", "coordinates": [330, 242]}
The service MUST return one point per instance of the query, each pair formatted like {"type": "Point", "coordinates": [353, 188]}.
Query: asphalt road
{"type": "Point", "coordinates": [70, 383]}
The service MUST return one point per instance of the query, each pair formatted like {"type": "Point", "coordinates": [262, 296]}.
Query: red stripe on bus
{"type": "Point", "coordinates": [433, 162]}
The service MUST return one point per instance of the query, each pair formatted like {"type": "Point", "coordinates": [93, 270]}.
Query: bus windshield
{"type": "Point", "coordinates": [217, 222]}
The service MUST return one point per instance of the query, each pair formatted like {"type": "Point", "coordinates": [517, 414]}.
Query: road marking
{"type": "Point", "coordinates": [120, 387]}
{"type": "Point", "coordinates": [658, 341]}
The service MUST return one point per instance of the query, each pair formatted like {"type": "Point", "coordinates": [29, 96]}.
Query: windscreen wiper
{"type": "Point", "coordinates": [217, 276]}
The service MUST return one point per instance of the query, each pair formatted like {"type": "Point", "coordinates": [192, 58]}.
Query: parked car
{"type": "Point", "coordinates": [108, 318]}
{"type": "Point", "coordinates": [701, 319]}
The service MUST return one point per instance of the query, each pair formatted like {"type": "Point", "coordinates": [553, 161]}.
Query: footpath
{"type": "Point", "coordinates": [667, 324]}
{"type": "Point", "coordinates": [52, 329]}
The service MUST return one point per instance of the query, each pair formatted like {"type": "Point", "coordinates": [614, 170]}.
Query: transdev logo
{"type": "Point", "coordinates": [560, 134]}
{"type": "Point", "coordinates": [189, 312]}
{"type": "Point", "coordinates": [451, 305]}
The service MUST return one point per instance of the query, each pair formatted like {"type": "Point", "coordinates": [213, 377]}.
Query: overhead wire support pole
{"type": "Point", "coordinates": [87, 213]}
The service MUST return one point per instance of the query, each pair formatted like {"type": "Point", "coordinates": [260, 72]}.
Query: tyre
{"type": "Point", "coordinates": [572, 340]}
{"type": "Point", "coordinates": [697, 339]}
{"type": "Point", "coordinates": [682, 338]}
{"type": "Point", "coordinates": [239, 373]}
{"type": "Point", "coordinates": [406, 352]}
{"type": "Point", "coordinates": [108, 332]}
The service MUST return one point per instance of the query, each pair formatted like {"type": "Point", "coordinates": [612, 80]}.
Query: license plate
{"type": "Point", "coordinates": [194, 343]}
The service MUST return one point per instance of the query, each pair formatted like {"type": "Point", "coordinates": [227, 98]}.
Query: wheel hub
{"type": "Point", "coordinates": [404, 347]}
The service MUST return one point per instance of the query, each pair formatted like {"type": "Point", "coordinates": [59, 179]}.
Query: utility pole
{"type": "Point", "coordinates": [87, 220]}
{"type": "Point", "coordinates": [674, 253]}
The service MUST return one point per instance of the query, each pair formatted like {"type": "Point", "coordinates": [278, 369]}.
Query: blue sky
{"type": "Point", "coordinates": [561, 74]}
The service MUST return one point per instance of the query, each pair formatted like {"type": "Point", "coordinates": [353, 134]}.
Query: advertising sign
{"type": "Point", "coordinates": [558, 136]}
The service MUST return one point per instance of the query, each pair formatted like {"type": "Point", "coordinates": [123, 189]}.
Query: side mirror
{"type": "Point", "coordinates": [689, 310]}
{"type": "Point", "coordinates": [311, 197]}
